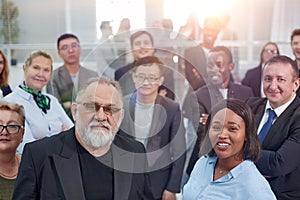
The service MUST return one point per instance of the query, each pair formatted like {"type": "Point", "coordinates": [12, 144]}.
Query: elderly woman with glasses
{"type": "Point", "coordinates": [44, 114]}
{"type": "Point", "coordinates": [12, 121]}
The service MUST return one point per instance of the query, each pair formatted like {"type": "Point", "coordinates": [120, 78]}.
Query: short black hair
{"type": "Point", "coordinates": [65, 36]}
{"type": "Point", "coordinates": [223, 49]}
{"type": "Point", "coordinates": [103, 23]}
{"type": "Point", "coordinates": [148, 60]}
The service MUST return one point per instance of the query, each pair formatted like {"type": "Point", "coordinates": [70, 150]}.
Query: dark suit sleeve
{"type": "Point", "coordinates": [178, 152]}
{"type": "Point", "coordinates": [190, 55]}
{"type": "Point", "coordinates": [246, 80]}
{"type": "Point", "coordinates": [26, 183]}
{"type": "Point", "coordinates": [282, 161]}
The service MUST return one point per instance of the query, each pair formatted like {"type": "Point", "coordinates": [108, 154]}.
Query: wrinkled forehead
{"type": "Point", "coordinates": [278, 69]}
{"type": "Point", "coordinates": [105, 94]}
{"type": "Point", "coordinates": [216, 56]}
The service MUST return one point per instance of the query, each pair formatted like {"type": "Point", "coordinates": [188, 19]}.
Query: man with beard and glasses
{"type": "Point", "coordinates": [89, 161]}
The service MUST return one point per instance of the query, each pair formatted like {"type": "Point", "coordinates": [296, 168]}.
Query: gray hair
{"type": "Point", "coordinates": [100, 81]}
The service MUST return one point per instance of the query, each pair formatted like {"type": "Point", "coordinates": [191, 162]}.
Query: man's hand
{"type": "Point", "coordinates": [167, 195]}
{"type": "Point", "coordinates": [163, 92]}
{"type": "Point", "coordinates": [67, 104]}
{"type": "Point", "coordinates": [203, 119]}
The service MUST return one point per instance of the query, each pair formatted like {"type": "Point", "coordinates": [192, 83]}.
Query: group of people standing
{"type": "Point", "coordinates": [98, 138]}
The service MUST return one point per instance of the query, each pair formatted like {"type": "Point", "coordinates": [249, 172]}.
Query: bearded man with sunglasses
{"type": "Point", "coordinates": [89, 161]}
{"type": "Point", "coordinates": [156, 121]}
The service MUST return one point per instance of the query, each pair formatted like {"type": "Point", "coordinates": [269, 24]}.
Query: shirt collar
{"type": "Point", "coordinates": [281, 108]}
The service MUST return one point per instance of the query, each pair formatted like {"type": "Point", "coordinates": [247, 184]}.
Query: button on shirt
{"type": "Point", "coordinates": [242, 182]}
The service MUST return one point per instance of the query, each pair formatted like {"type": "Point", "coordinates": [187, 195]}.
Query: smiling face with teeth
{"type": "Point", "coordinates": [219, 66]}
{"type": "Point", "coordinates": [227, 134]}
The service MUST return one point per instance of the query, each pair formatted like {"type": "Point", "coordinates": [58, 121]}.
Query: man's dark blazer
{"type": "Point", "coordinates": [202, 101]}
{"type": "Point", "coordinates": [50, 169]}
{"type": "Point", "coordinates": [280, 149]}
{"type": "Point", "coordinates": [195, 58]}
{"type": "Point", "coordinates": [124, 76]}
{"type": "Point", "coordinates": [253, 80]}
{"type": "Point", "coordinates": [166, 144]}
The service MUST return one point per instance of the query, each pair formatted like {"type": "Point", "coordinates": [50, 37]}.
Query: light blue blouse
{"type": "Point", "coordinates": [38, 124]}
{"type": "Point", "coordinates": [242, 182]}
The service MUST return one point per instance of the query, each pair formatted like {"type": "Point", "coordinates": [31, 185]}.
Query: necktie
{"type": "Point", "coordinates": [263, 132]}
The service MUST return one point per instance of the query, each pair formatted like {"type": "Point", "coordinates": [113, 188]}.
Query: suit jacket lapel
{"type": "Point", "coordinates": [280, 121]}
{"type": "Point", "coordinates": [158, 119]}
{"type": "Point", "coordinates": [68, 169]}
{"type": "Point", "coordinates": [123, 162]}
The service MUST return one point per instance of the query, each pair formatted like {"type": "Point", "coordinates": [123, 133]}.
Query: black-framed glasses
{"type": "Point", "coordinates": [11, 129]}
{"type": "Point", "coordinates": [142, 78]}
{"type": "Point", "coordinates": [67, 47]}
{"type": "Point", "coordinates": [271, 51]}
{"type": "Point", "coordinates": [95, 107]}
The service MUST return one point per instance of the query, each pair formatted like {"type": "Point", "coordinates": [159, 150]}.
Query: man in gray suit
{"type": "Point", "coordinates": [156, 121]}
{"type": "Point", "coordinates": [90, 161]}
{"type": "Point", "coordinates": [67, 79]}
{"type": "Point", "coordinates": [220, 86]}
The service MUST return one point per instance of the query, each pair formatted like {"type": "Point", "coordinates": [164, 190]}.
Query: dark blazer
{"type": "Point", "coordinates": [253, 80]}
{"type": "Point", "coordinates": [202, 101]}
{"type": "Point", "coordinates": [195, 58]}
{"type": "Point", "coordinates": [166, 144]}
{"type": "Point", "coordinates": [124, 76]}
{"type": "Point", "coordinates": [280, 149]}
{"type": "Point", "coordinates": [5, 90]}
{"type": "Point", "coordinates": [50, 169]}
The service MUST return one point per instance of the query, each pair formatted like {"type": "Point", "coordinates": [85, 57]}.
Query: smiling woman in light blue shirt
{"type": "Point", "coordinates": [43, 113]}
{"type": "Point", "coordinates": [231, 145]}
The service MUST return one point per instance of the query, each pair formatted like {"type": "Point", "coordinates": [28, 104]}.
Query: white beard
{"type": "Point", "coordinates": [95, 138]}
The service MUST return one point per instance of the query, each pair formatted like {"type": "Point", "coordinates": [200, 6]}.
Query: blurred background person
{"type": "Point", "coordinates": [68, 78]}
{"type": "Point", "coordinates": [295, 44]}
{"type": "Point", "coordinates": [123, 33]}
{"type": "Point", "coordinates": [192, 29]}
{"type": "Point", "coordinates": [230, 148]}
{"type": "Point", "coordinates": [4, 75]}
{"type": "Point", "coordinates": [44, 114]}
{"type": "Point", "coordinates": [105, 51]}
{"type": "Point", "coordinates": [12, 122]}
{"type": "Point", "coordinates": [253, 77]}
{"type": "Point", "coordinates": [122, 44]}
{"type": "Point", "coordinates": [142, 45]}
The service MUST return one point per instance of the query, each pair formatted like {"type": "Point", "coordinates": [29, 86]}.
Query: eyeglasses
{"type": "Point", "coordinates": [67, 47]}
{"type": "Point", "coordinates": [11, 129]}
{"type": "Point", "coordinates": [271, 51]}
{"type": "Point", "coordinates": [142, 78]}
{"type": "Point", "coordinates": [94, 107]}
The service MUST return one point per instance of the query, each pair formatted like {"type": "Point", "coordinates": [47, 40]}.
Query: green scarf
{"type": "Point", "coordinates": [42, 101]}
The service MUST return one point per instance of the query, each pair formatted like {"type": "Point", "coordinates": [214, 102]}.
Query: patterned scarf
{"type": "Point", "coordinates": [42, 101]}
